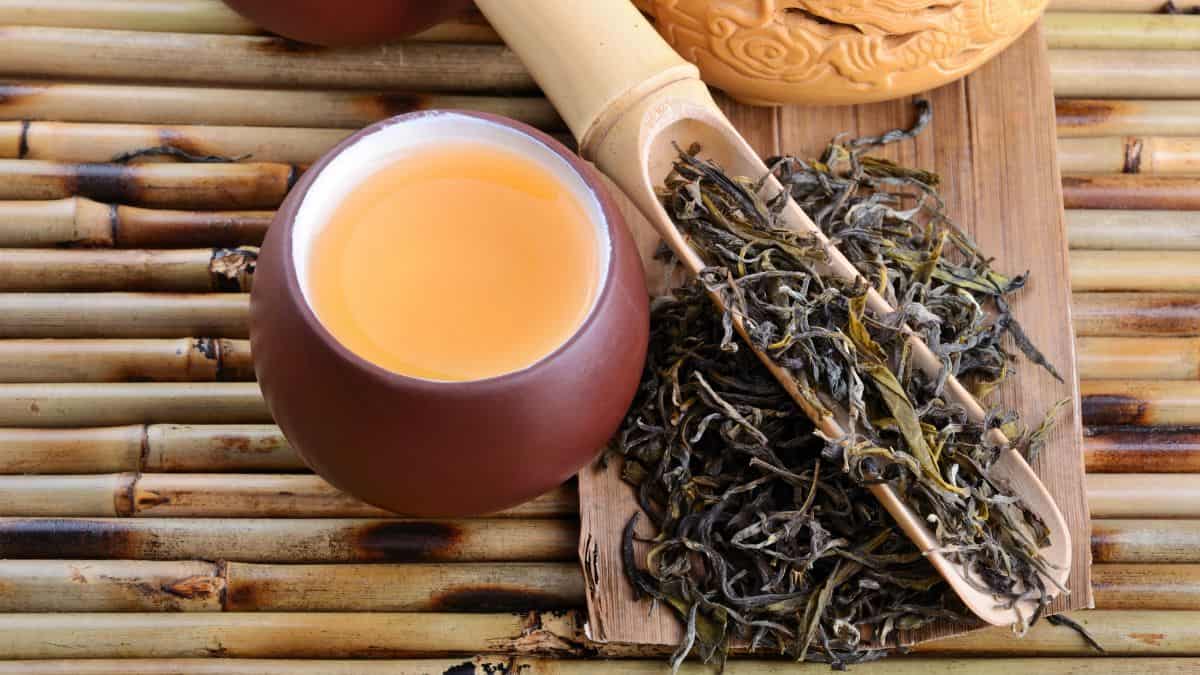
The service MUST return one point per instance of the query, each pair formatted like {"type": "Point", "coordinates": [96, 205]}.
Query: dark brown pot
{"type": "Point", "coordinates": [341, 23]}
{"type": "Point", "coordinates": [430, 448]}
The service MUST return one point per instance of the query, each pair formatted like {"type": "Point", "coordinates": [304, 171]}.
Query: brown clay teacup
{"type": "Point", "coordinates": [336, 24]}
{"type": "Point", "coordinates": [434, 448]}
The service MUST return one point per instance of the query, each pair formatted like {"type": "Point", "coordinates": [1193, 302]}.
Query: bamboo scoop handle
{"type": "Point", "coordinates": [592, 58]}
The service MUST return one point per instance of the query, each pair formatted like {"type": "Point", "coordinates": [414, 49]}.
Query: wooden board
{"type": "Point", "coordinates": [993, 142]}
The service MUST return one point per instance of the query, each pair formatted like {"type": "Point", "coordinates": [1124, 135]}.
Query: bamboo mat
{"type": "Point", "coordinates": [153, 520]}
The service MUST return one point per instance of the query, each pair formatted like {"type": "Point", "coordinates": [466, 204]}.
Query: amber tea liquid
{"type": "Point", "coordinates": [455, 263]}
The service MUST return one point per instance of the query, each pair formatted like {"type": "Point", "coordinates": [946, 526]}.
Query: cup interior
{"type": "Point", "coordinates": [419, 132]}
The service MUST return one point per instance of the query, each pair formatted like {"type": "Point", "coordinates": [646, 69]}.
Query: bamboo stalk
{"type": "Point", "coordinates": [205, 495]}
{"type": "Point", "coordinates": [67, 451]}
{"type": "Point", "coordinates": [77, 221]}
{"type": "Point", "coordinates": [1108, 30]}
{"type": "Point", "coordinates": [1160, 633]}
{"type": "Point", "coordinates": [1125, 73]}
{"type": "Point", "coordinates": [1133, 450]}
{"type": "Point", "coordinates": [1140, 403]}
{"type": "Point", "coordinates": [195, 586]}
{"type": "Point", "coordinates": [1146, 586]}
{"type": "Point", "coordinates": [1136, 314]}
{"type": "Point", "coordinates": [1133, 230]}
{"type": "Point", "coordinates": [184, 186]}
{"type": "Point", "coordinates": [111, 586]}
{"type": "Point", "coordinates": [380, 634]}
{"type": "Point", "coordinates": [291, 540]}
{"type": "Point", "coordinates": [153, 448]}
{"type": "Point", "coordinates": [175, 495]}
{"type": "Point", "coordinates": [1137, 358]}
{"type": "Point", "coordinates": [73, 142]}
{"type": "Point", "coordinates": [1146, 541]}
{"type": "Point", "coordinates": [304, 635]}
{"type": "Point", "coordinates": [511, 540]}
{"type": "Point", "coordinates": [179, 360]}
{"type": "Point", "coordinates": [467, 587]}
{"type": "Point", "coordinates": [1133, 271]}
{"type": "Point", "coordinates": [209, 448]}
{"type": "Point", "coordinates": [192, 16]}
{"type": "Point", "coordinates": [1162, 155]}
{"type": "Point", "coordinates": [491, 665]}
{"type": "Point", "coordinates": [1119, 5]}
{"type": "Point", "coordinates": [1143, 495]}
{"type": "Point", "coordinates": [178, 271]}
{"type": "Point", "coordinates": [199, 586]}
{"type": "Point", "coordinates": [87, 102]}
{"type": "Point", "coordinates": [1128, 191]}
{"type": "Point", "coordinates": [123, 315]}
{"type": "Point", "coordinates": [1096, 117]}
{"type": "Point", "coordinates": [116, 403]}
{"type": "Point", "coordinates": [101, 495]}
{"type": "Point", "coordinates": [70, 53]}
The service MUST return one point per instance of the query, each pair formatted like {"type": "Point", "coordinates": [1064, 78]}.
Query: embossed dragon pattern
{"type": "Point", "coordinates": [872, 47]}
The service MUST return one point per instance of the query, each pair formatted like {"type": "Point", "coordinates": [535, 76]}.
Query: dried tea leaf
{"type": "Point", "coordinates": [767, 531]}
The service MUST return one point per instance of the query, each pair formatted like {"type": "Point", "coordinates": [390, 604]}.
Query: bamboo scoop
{"type": "Point", "coordinates": [630, 100]}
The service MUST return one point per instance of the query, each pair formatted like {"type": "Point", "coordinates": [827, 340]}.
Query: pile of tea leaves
{"type": "Point", "coordinates": [767, 530]}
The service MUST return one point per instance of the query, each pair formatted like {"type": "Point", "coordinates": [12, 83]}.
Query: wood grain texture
{"type": "Point", "coordinates": [996, 154]}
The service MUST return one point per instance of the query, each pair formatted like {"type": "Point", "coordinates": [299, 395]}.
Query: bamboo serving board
{"type": "Point", "coordinates": [992, 140]}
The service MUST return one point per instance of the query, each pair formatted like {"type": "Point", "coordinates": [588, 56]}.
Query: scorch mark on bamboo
{"type": "Point", "coordinates": [1141, 450]}
{"type": "Point", "coordinates": [283, 46]}
{"type": "Point", "coordinates": [15, 93]}
{"type": "Point", "coordinates": [1084, 112]}
{"type": "Point", "coordinates": [390, 104]}
{"type": "Point", "coordinates": [495, 598]}
{"type": "Point", "coordinates": [103, 183]}
{"type": "Point", "coordinates": [1152, 639]}
{"type": "Point", "coordinates": [69, 538]}
{"type": "Point", "coordinates": [406, 541]}
{"type": "Point", "coordinates": [1113, 410]}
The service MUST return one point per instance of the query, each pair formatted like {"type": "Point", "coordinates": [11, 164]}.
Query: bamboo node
{"type": "Point", "coordinates": [232, 268]}
{"type": "Point", "coordinates": [23, 141]}
{"type": "Point", "coordinates": [198, 587]}
{"type": "Point", "coordinates": [560, 635]}
{"type": "Point", "coordinates": [1133, 155]}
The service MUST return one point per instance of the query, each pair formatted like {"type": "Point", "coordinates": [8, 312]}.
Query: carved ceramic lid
{"type": "Point", "coordinates": [838, 51]}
